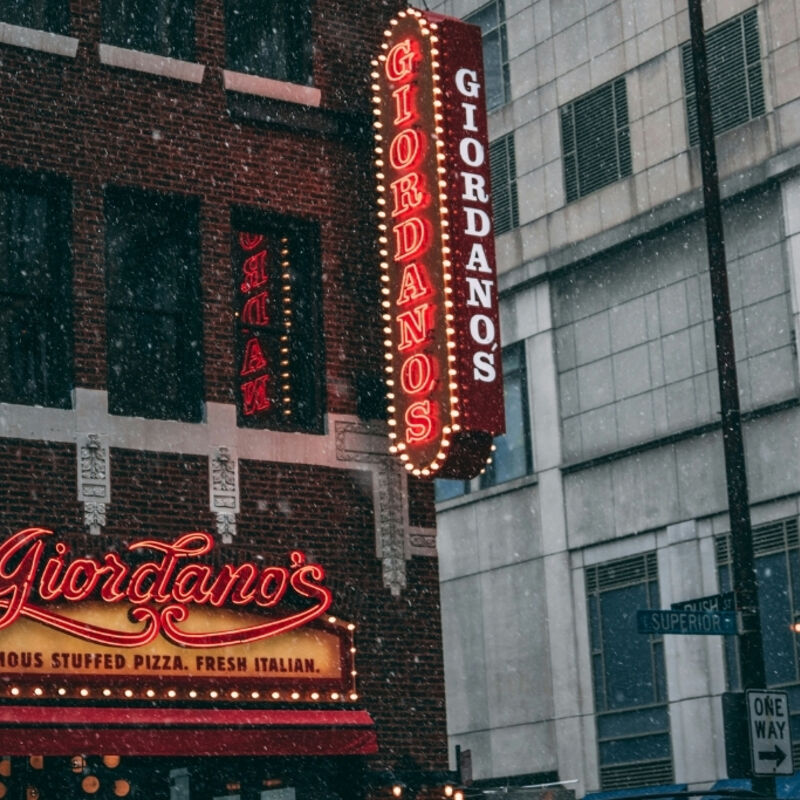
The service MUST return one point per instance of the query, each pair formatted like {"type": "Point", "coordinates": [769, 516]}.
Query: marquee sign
{"type": "Point", "coordinates": [443, 364]}
{"type": "Point", "coordinates": [171, 626]}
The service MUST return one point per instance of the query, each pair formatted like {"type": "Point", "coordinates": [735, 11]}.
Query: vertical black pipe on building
{"type": "Point", "coordinates": [745, 581]}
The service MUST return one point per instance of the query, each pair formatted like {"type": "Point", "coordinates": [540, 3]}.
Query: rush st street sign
{"type": "Point", "coordinates": [673, 621]}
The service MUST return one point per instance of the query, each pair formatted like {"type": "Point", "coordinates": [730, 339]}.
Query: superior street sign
{"type": "Point", "coordinates": [672, 621]}
{"type": "Point", "coordinates": [770, 737]}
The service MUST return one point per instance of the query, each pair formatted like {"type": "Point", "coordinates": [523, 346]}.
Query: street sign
{"type": "Point", "coordinates": [713, 602]}
{"type": "Point", "coordinates": [770, 737]}
{"type": "Point", "coordinates": [691, 623]}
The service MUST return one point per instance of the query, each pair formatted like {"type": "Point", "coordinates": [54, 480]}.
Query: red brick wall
{"type": "Point", "coordinates": [39, 486]}
{"type": "Point", "coordinates": [98, 125]}
{"type": "Point", "coordinates": [328, 514]}
{"type": "Point", "coordinates": [325, 512]}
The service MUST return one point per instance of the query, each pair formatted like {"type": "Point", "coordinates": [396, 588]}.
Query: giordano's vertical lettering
{"type": "Point", "coordinates": [439, 287]}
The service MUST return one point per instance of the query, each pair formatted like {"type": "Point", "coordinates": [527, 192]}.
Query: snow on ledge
{"type": "Point", "coordinates": [113, 56]}
{"type": "Point", "coordinates": [268, 87]}
{"type": "Point", "coordinates": [45, 41]}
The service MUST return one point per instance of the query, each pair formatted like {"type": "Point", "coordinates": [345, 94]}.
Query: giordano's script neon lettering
{"type": "Point", "coordinates": [161, 592]}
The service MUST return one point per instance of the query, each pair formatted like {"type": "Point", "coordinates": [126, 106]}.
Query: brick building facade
{"type": "Point", "coordinates": [134, 154]}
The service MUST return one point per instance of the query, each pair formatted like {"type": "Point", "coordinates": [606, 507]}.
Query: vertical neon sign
{"type": "Point", "coordinates": [439, 304]}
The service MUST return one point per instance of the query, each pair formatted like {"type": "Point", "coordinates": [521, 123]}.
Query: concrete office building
{"type": "Point", "coordinates": [608, 491]}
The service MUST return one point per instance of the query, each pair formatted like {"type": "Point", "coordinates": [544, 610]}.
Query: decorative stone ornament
{"type": "Point", "coordinates": [223, 490]}
{"type": "Point", "coordinates": [94, 480]}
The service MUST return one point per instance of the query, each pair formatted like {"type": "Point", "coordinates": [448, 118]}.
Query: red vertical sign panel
{"type": "Point", "coordinates": [440, 314]}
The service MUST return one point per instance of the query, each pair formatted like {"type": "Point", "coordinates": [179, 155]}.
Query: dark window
{"type": "Point", "coordinates": [733, 57]}
{"type": "Point", "coordinates": [595, 140]}
{"type": "Point", "coordinates": [35, 291]}
{"type": "Point", "coordinates": [630, 687]}
{"type": "Point", "coordinates": [270, 38]}
{"type": "Point", "coordinates": [43, 15]}
{"type": "Point", "coordinates": [154, 313]}
{"type": "Point", "coordinates": [278, 299]}
{"type": "Point", "coordinates": [491, 19]}
{"type": "Point", "coordinates": [163, 27]}
{"type": "Point", "coordinates": [503, 166]}
{"type": "Point", "coordinates": [512, 456]}
{"type": "Point", "coordinates": [777, 556]}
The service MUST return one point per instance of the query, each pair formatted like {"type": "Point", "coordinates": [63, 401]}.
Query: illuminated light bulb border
{"type": "Point", "coordinates": [285, 337]}
{"type": "Point", "coordinates": [447, 273]}
{"type": "Point", "coordinates": [436, 53]}
{"type": "Point", "coordinates": [430, 41]}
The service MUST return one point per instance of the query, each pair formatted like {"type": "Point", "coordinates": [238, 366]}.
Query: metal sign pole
{"type": "Point", "coordinates": [751, 650]}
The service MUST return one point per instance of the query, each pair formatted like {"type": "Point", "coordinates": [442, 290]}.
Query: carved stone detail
{"type": "Point", "coordinates": [94, 480]}
{"type": "Point", "coordinates": [223, 491]}
{"type": "Point", "coordinates": [391, 523]}
{"type": "Point", "coordinates": [366, 443]}
{"type": "Point", "coordinates": [422, 541]}
{"type": "Point", "coordinates": [94, 516]}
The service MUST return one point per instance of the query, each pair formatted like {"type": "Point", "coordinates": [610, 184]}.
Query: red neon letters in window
{"type": "Point", "coordinates": [254, 271]}
{"type": "Point", "coordinates": [254, 395]}
{"type": "Point", "coordinates": [254, 358]}
{"type": "Point", "coordinates": [249, 241]}
{"type": "Point", "coordinates": [255, 311]}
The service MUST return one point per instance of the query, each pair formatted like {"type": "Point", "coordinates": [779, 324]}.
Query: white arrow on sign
{"type": "Point", "coordinates": [770, 735]}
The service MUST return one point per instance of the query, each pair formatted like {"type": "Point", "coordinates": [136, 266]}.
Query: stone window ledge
{"type": "Point", "coordinates": [113, 56]}
{"type": "Point", "coordinates": [33, 39]}
{"type": "Point", "coordinates": [267, 87]}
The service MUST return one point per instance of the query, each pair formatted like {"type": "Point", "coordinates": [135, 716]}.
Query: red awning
{"type": "Point", "coordinates": [58, 731]}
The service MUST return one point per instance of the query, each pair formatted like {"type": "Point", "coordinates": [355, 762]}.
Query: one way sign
{"type": "Point", "coordinates": [770, 737]}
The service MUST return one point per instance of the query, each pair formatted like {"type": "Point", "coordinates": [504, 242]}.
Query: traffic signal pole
{"type": "Point", "coordinates": [745, 581]}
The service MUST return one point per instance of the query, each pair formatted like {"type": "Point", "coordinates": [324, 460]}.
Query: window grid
{"type": "Point", "coordinates": [503, 167]}
{"type": "Point", "coordinates": [774, 539]}
{"type": "Point", "coordinates": [776, 544]}
{"type": "Point", "coordinates": [271, 39]}
{"type": "Point", "coordinates": [513, 457]}
{"type": "Point", "coordinates": [42, 15]}
{"type": "Point", "coordinates": [595, 140]}
{"type": "Point", "coordinates": [163, 27]}
{"type": "Point", "coordinates": [734, 67]}
{"type": "Point", "coordinates": [633, 739]}
{"type": "Point", "coordinates": [491, 19]}
{"type": "Point", "coordinates": [154, 312]}
{"type": "Point", "coordinates": [35, 297]}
